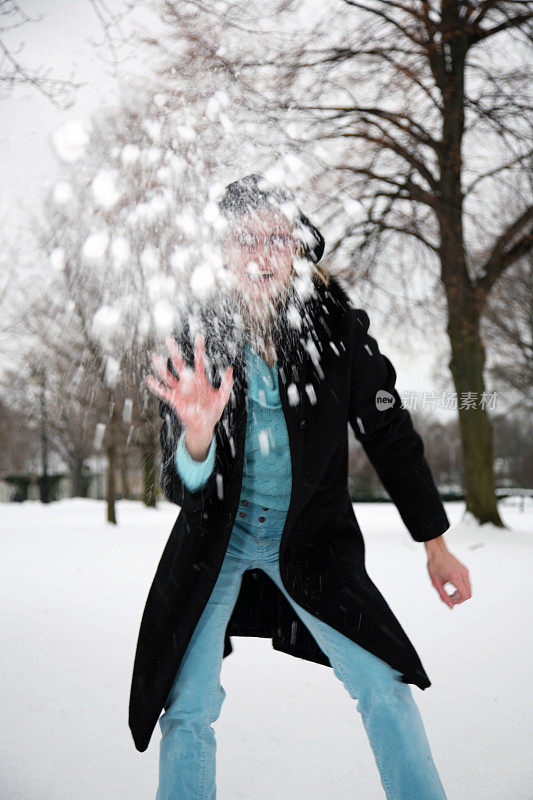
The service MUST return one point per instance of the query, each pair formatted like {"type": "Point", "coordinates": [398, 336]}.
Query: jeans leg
{"type": "Point", "coordinates": [188, 747]}
{"type": "Point", "coordinates": [389, 712]}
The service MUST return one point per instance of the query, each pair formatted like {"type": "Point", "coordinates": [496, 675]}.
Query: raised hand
{"type": "Point", "coordinates": [196, 402]}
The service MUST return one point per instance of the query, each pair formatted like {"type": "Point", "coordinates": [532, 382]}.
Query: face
{"type": "Point", "coordinates": [258, 250]}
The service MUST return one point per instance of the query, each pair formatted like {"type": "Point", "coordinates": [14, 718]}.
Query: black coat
{"type": "Point", "coordinates": [322, 552]}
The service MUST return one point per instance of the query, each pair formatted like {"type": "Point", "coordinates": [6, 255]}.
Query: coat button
{"type": "Point", "coordinates": [261, 519]}
{"type": "Point", "coordinates": [242, 513]}
{"type": "Point", "coordinates": [265, 508]}
{"type": "Point", "coordinates": [244, 502]}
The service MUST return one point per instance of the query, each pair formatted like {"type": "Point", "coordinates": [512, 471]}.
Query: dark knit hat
{"type": "Point", "coordinates": [254, 192]}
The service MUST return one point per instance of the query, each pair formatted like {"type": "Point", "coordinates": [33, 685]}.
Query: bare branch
{"type": "Point", "coordinates": [512, 22]}
{"type": "Point", "coordinates": [382, 15]}
{"type": "Point", "coordinates": [409, 188]}
{"type": "Point", "coordinates": [52, 88]}
{"type": "Point", "coordinates": [506, 251]}
{"type": "Point", "coordinates": [497, 170]}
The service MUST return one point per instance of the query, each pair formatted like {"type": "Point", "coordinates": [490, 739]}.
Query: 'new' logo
{"type": "Point", "coordinates": [384, 400]}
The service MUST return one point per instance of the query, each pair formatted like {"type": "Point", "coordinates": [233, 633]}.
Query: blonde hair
{"type": "Point", "coordinates": [319, 271]}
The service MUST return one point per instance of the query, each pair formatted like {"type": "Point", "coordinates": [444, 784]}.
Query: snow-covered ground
{"type": "Point", "coordinates": [72, 593]}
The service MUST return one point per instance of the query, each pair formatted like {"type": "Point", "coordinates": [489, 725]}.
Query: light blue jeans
{"type": "Point", "coordinates": [390, 715]}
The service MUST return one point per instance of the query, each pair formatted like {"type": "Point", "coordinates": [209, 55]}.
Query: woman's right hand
{"type": "Point", "coordinates": [196, 402]}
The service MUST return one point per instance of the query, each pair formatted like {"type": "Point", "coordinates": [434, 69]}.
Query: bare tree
{"type": "Point", "coordinates": [425, 111]}
{"type": "Point", "coordinates": [19, 442]}
{"type": "Point", "coordinates": [15, 63]}
{"type": "Point", "coordinates": [508, 331]}
{"type": "Point", "coordinates": [74, 403]}
{"type": "Point", "coordinates": [122, 229]}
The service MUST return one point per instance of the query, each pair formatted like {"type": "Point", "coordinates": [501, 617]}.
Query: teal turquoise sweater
{"type": "Point", "coordinates": [267, 473]}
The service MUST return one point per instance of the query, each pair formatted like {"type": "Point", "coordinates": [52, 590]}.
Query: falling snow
{"type": "Point", "coordinates": [95, 247]}
{"type": "Point", "coordinates": [293, 394]}
{"type": "Point", "coordinates": [70, 140]}
{"type": "Point", "coordinates": [104, 188]}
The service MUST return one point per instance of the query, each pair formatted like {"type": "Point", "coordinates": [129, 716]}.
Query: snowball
{"type": "Point", "coordinates": [164, 174]}
{"type": "Point", "coordinates": [70, 140]}
{"type": "Point", "coordinates": [144, 326]}
{"type": "Point", "coordinates": [212, 108]}
{"type": "Point", "coordinates": [154, 287]}
{"type": "Point", "coordinates": [153, 129]}
{"type": "Point", "coordinates": [62, 193]}
{"type": "Point", "coordinates": [292, 394]}
{"type": "Point", "coordinates": [312, 349]}
{"type": "Point", "coordinates": [217, 100]}
{"type": "Point", "coordinates": [128, 407]}
{"type": "Point", "coordinates": [157, 205]}
{"type": "Point", "coordinates": [179, 259]}
{"type": "Point", "coordinates": [57, 259]}
{"type": "Point", "coordinates": [304, 287]}
{"type": "Point", "coordinates": [105, 190]}
{"type": "Point", "coordinates": [186, 221]}
{"type": "Point", "coordinates": [202, 281]}
{"type": "Point", "coordinates": [105, 323]}
{"type": "Point", "coordinates": [211, 212]}
{"type": "Point", "coordinates": [222, 97]}
{"type": "Point", "coordinates": [216, 190]}
{"type": "Point", "coordinates": [95, 246]}
{"type": "Point", "coordinates": [176, 164]}
{"type": "Point", "coordinates": [275, 175]}
{"type": "Point", "coordinates": [99, 436]}
{"type": "Point", "coordinates": [315, 356]}
{"type": "Point", "coordinates": [226, 123]}
{"type": "Point", "coordinates": [152, 155]}
{"type": "Point", "coordinates": [149, 212]}
{"type": "Point", "coordinates": [130, 154]}
{"type": "Point", "coordinates": [350, 206]}
{"type": "Point", "coordinates": [120, 251]}
{"type": "Point", "coordinates": [294, 318]}
{"type": "Point", "coordinates": [150, 258]}
{"type": "Point", "coordinates": [310, 389]}
{"type": "Point", "coordinates": [293, 163]}
{"type": "Point", "coordinates": [112, 369]}
{"type": "Point", "coordinates": [264, 444]}
{"type": "Point", "coordinates": [186, 132]}
{"type": "Point", "coordinates": [292, 130]}
{"type": "Point", "coordinates": [163, 317]}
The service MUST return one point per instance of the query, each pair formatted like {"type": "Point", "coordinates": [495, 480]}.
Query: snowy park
{"type": "Point", "coordinates": [263, 264]}
{"type": "Point", "coordinates": [72, 589]}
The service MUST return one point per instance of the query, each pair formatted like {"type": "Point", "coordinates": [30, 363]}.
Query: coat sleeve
{"type": "Point", "coordinates": [386, 432]}
{"type": "Point", "coordinates": [194, 474]}
{"type": "Point", "coordinates": [170, 480]}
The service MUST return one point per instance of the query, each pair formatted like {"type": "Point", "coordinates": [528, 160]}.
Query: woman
{"type": "Point", "coordinates": [266, 542]}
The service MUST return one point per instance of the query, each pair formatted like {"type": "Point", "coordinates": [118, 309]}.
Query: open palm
{"type": "Point", "coordinates": [198, 404]}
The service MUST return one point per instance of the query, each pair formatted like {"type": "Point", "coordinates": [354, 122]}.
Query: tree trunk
{"type": "Point", "coordinates": [111, 462]}
{"type": "Point", "coordinates": [465, 304]}
{"type": "Point", "coordinates": [466, 365]}
{"type": "Point", "coordinates": [78, 482]}
{"type": "Point", "coordinates": [149, 467]}
{"type": "Point", "coordinates": [124, 475]}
